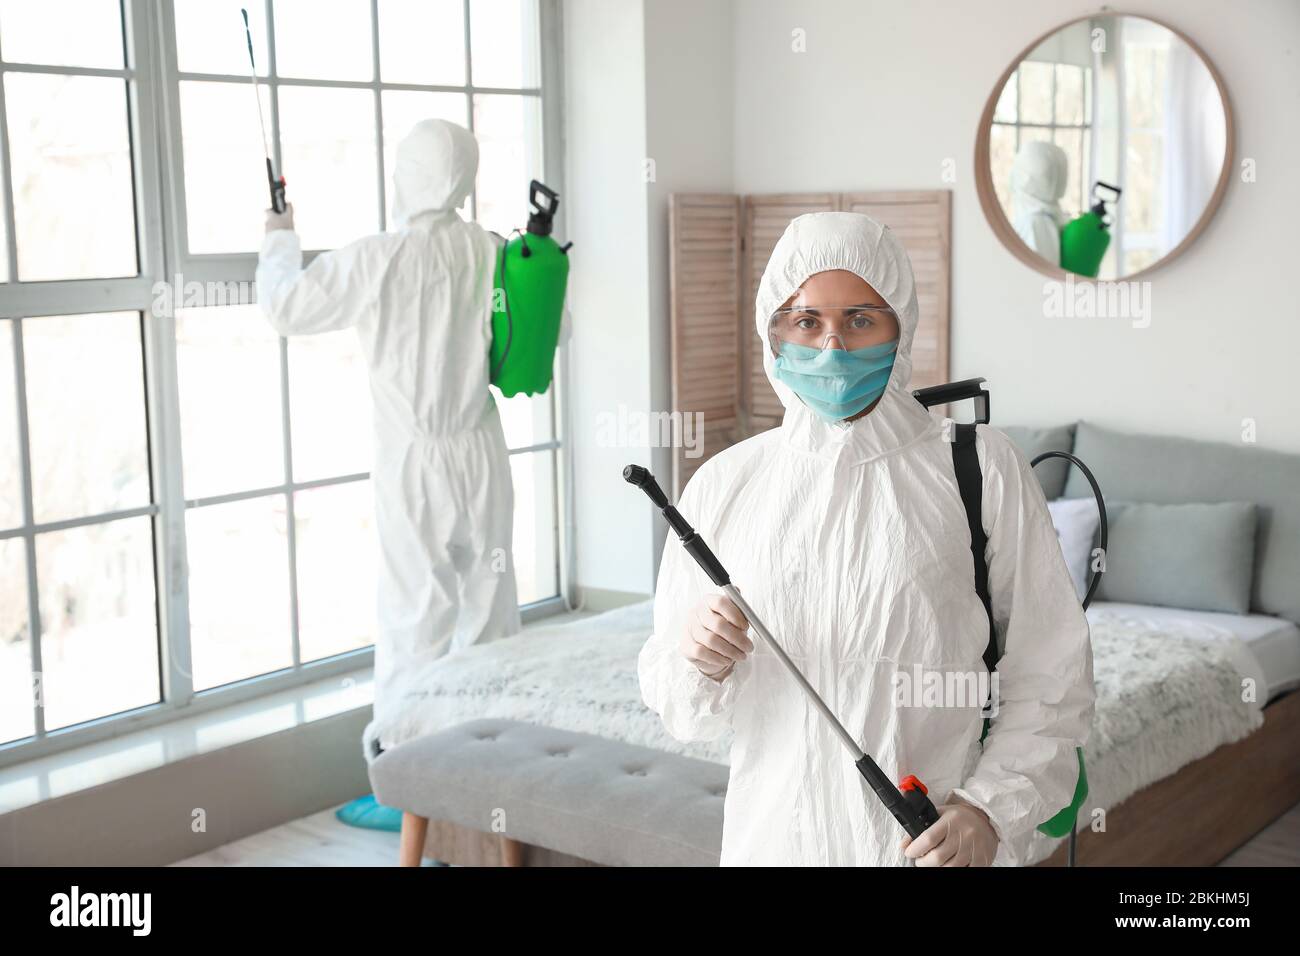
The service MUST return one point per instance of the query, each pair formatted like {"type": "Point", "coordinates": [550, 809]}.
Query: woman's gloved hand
{"type": "Point", "coordinates": [715, 637]}
{"type": "Point", "coordinates": [280, 220]}
{"type": "Point", "coordinates": [962, 836]}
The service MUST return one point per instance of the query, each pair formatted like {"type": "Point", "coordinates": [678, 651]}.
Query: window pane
{"type": "Point", "coordinates": [228, 373]}
{"type": "Point", "coordinates": [1002, 154]}
{"type": "Point", "coordinates": [99, 621]}
{"type": "Point", "coordinates": [1069, 94]}
{"type": "Point", "coordinates": [526, 420]}
{"type": "Point", "coordinates": [239, 590]}
{"type": "Point", "coordinates": [1035, 92]}
{"type": "Point", "coordinates": [85, 406]}
{"type": "Point", "coordinates": [534, 538]}
{"type": "Point", "coordinates": [422, 41]}
{"type": "Point", "coordinates": [73, 197]}
{"type": "Point", "coordinates": [404, 108]}
{"type": "Point", "coordinates": [336, 569]}
{"type": "Point", "coordinates": [11, 505]}
{"type": "Point", "coordinates": [4, 235]}
{"type": "Point", "coordinates": [62, 32]}
{"type": "Point", "coordinates": [323, 39]}
{"type": "Point", "coordinates": [1071, 141]}
{"type": "Point", "coordinates": [16, 719]}
{"type": "Point", "coordinates": [225, 175]}
{"type": "Point", "coordinates": [329, 401]}
{"type": "Point", "coordinates": [1005, 112]}
{"type": "Point", "coordinates": [509, 131]}
{"type": "Point", "coordinates": [328, 140]}
{"type": "Point", "coordinates": [503, 43]}
{"type": "Point", "coordinates": [210, 36]}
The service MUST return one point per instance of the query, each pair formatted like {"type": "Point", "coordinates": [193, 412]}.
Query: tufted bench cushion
{"type": "Point", "coordinates": [601, 800]}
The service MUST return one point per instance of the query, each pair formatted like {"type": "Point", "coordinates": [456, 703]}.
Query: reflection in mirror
{"type": "Point", "coordinates": [1107, 144]}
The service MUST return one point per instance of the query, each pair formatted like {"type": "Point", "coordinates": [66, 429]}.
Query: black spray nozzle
{"type": "Point", "coordinates": [692, 542]}
{"type": "Point", "coordinates": [248, 33]}
{"type": "Point", "coordinates": [544, 201]}
{"type": "Point", "coordinates": [1099, 203]}
{"type": "Point", "coordinates": [641, 477]}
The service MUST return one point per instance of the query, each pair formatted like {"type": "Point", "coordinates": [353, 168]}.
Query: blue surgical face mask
{"type": "Point", "coordinates": [834, 383]}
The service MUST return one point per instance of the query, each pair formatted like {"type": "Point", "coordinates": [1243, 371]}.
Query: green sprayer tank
{"type": "Point", "coordinates": [1084, 240]}
{"type": "Point", "coordinates": [532, 271]}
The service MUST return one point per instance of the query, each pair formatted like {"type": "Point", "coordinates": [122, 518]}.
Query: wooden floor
{"type": "Point", "coordinates": [320, 840]}
{"type": "Point", "coordinates": [317, 840]}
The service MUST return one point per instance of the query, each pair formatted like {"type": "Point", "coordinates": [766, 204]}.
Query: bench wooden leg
{"type": "Point", "coordinates": [512, 852]}
{"type": "Point", "coordinates": [414, 831]}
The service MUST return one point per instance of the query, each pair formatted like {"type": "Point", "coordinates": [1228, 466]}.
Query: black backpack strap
{"type": "Point", "coordinates": [970, 482]}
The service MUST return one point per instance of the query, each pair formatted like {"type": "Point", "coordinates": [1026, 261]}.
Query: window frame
{"type": "Point", "coordinates": [152, 80]}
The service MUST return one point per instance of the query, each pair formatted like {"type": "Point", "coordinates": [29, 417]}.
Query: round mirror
{"type": "Point", "coordinates": [1105, 148]}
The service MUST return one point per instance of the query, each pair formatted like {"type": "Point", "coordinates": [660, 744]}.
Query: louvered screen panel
{"type": "Point", "coordinates": [765, 219]}
{"type": "Point", "coordinates": [921, 220]}
{"type": "Point", "coordinates": [704, 270]}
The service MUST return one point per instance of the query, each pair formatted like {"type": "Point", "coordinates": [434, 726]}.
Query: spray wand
{"type": "Point", "coordinates": [275, 182]}
{"type": "Point", "coordinates": [908, 802]}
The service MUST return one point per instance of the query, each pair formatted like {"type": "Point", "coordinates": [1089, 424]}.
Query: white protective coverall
{"type": "Point", "coordinates": [851, 543]}
{"type": "Point", "coordinates": [1039, 176]}
{"type": "Point", "coordinates": [420, 300]}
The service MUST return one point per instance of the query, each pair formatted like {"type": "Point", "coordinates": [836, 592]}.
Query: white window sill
{"type": "Point", "coordinates": [60, 774]}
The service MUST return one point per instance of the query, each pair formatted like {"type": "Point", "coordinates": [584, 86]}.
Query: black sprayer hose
{"type": "Point", "coordinates": [1101, 511]}
{"type": "Point", "coordinates": [510, 322]}
{"type": "Point", "coordinates": [1096, 574]}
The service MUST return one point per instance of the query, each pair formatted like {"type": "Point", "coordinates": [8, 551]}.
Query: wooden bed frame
{"type": "Point", "coordinates": [1197, 817]}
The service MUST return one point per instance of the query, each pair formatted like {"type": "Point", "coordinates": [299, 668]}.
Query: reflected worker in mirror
{"type": "Point", "coordinates": [1038, 179]}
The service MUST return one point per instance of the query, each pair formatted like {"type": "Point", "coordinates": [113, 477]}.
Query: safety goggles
{"type": "Point", "coordinates": [822, 327]}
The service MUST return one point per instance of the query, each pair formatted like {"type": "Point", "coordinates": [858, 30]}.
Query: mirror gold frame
{"type": "Point", "coordinates": [997, 219]}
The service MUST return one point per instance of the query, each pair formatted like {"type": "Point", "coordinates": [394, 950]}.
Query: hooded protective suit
{"type": "Point", "coordinates": [850, 541]}
{"type": "Point", "coordinates": [419, 298]}
{"type": "Point", "coordinates": [1038, 179]}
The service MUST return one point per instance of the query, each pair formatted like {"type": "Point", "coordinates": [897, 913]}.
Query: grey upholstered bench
{"type": "Point", "coordinates": [503, 792]}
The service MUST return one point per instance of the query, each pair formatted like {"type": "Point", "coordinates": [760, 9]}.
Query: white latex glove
{"type": "Point", "coordinates": [716, 637]}
{"type": "Point", "coordinates": [280, 220]}
{"type": "Point", "coordinates": [962, 836]}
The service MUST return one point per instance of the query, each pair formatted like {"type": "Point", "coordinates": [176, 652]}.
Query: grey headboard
{"type": "Point", "coordinates": [1166, 470]}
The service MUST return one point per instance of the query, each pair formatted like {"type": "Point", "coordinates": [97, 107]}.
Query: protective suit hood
{"type": "Point", "coordinates": [1038, 180]}
{"type": "Point", "coordinates": [825, 241]}
{"type": "Point", "coordinates": [435, 169]}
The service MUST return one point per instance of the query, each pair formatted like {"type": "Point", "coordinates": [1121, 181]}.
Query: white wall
{"type": "Point", "coordinates": [642, 82]}
{"type": "Point", "coordinates": [887, 91]}
{"type": "Point", "coordinates": [689, 116]}
{"type": "Point", "coordinates": [608, 297]}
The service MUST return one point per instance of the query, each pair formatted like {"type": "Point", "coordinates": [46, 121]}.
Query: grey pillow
{"type": "Point", "coordinates": [1165, 470]}
{"type": "Point", "coordinates": [1033, 442]}
{"type": "Point", "coordinates": [1194, 556]}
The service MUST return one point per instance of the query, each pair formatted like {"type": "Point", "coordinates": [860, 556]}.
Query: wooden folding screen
{"type": "Point", "coordinates": [719, 246]}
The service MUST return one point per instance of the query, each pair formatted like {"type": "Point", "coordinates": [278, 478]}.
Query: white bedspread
{"type": "Point", "coordinates": [1168, 693]}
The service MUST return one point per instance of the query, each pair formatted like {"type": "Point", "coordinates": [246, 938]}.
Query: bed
{"type": "Point", "coordinates": [1165, 693]}
{"type": "Point", "coordinates": [1183, 767]}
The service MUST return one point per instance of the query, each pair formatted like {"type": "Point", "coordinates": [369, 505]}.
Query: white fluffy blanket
{"type": "Point", "coordinates": [1166, 695]}
{"type": "Point", "coordinates": [577, 676]}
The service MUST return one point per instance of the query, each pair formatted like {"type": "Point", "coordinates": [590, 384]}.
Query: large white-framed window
{"type": "Point", "coordinates": [185, 512]}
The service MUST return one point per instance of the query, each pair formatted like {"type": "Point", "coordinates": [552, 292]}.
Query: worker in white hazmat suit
{"type": "Point", "coordinates": [419, 298]}
{"type": "Point", "coordinates": [845, 530]}
{"type": "Point", "coordinates": [1039, 176]}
